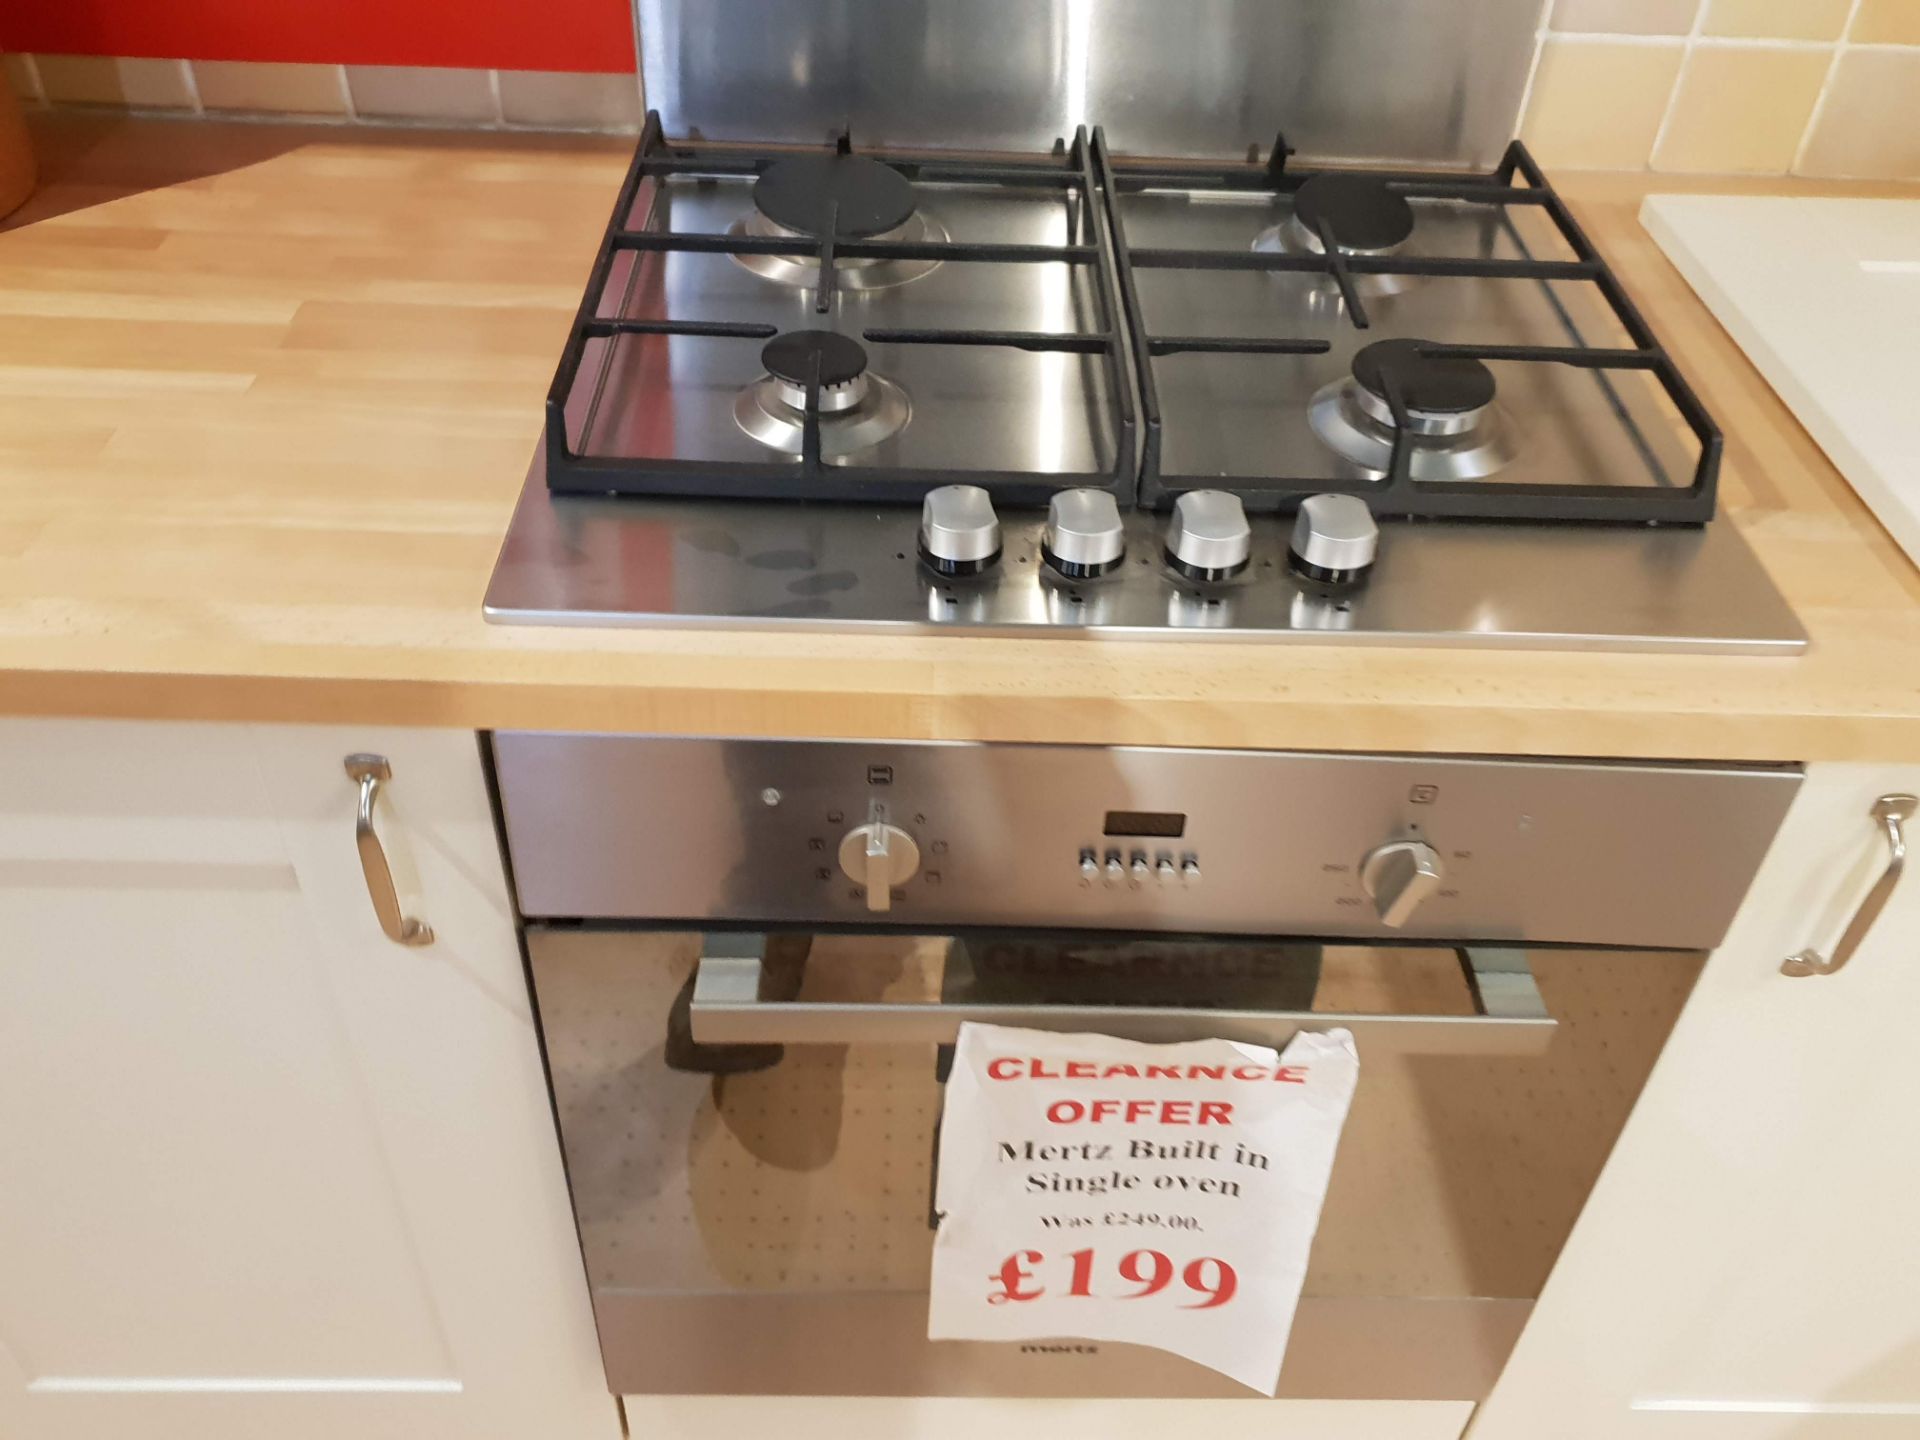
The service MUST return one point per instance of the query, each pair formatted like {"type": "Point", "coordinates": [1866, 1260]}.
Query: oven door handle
{"type": "Point", "coordinates": [727, 1009]}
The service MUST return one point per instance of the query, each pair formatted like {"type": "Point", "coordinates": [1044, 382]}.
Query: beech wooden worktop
{"type": "Point", "coordinates": [267, 395]}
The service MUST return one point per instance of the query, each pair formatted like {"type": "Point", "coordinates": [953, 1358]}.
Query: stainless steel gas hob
{"type": "Point", "coordinates": [1077, 393]}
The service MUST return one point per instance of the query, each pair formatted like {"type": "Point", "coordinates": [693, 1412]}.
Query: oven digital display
{"type": "Point", "coordinates": [1146, 822]}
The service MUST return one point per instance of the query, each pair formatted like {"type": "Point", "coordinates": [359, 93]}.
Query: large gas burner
{"type": "Point", "coordinates": [1362, 215]}
{"type": "Point", "coordinates": [848, 197]}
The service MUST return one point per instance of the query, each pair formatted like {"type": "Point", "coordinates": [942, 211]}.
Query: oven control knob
{"type": "Point", "coordinates": [1398, 876]}
{"type": "Point", "coordinates": [879, 856]}
{"type": "Point", "coordinates": [1084, 537]}
{"type": "Point", "coordinates": [1334, 540]}
{"type": "Point", "coordinates": [959, 533]}
{"type": "Point", "coordinates": [1209, 538]}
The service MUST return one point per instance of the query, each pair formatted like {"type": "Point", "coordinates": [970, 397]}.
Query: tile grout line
{"type": "Point", "coordinates": [39, 84]}
{"type": "Point", "coordinates": [499, 106]}
{"type": "Point", "coordinates": [1679, 81]}
{"type": "Point", "coordinates": [1533, 70]}
{"type": "Point", "coordinates": [1840, 49]}
{"type": "Point", "coordinates": [193, 86]}
{"type": "Point", "coordinates": [1727, 42]}
{"type": "Point", "coordinates": [351, 110]}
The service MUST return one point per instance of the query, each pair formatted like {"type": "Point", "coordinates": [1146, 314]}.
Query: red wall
{"type": "Point", "coordinates": [485, 34]}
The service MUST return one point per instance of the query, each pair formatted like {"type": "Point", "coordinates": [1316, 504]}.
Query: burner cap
{"type": "Point", "coordinates": [1429, 384]}
{"type": "Point", "coordinates": [789, 357]}
{"type": "Point", "coordinates": [802, 194]}
{"type": "Point", "coordinates": [1360, 211]}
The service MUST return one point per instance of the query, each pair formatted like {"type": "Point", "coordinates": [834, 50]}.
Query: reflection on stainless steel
{"type": "Point", "coordinates": [1197, 610]}
{"type": "Point", "coordinates": [957, 605]}
{"type": "Point", "coordinates": [1472, 446]}
{"type": "Point", "coordinates": [1321, 612]}
{"type": "Point", "coordinates": [1080, 606]}
{"type": "Point", "coordinates": [589, 561]}
{"type": "Point", "coordinates": [865, 413]}
{"type": "Point", "coordinates": [1408, 80]}
{"type": "Point", "coordinates": [853, 272]}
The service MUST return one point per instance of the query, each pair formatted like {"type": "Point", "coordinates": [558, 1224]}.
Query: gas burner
{"type": "Point", "coordinates": [858, 409]}
{"type": "Point", "coordinates": [1365, 216]}
{"type": "Point", "coordinates": [854, 198]}
{"type": "Point", "coordinates": [1457, 431]}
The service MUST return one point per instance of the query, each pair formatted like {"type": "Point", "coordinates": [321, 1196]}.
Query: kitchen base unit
{"type": "Point", "coordinates": [1746, 1268]}
{"type": "Point", "coordinates": [267, 1172]}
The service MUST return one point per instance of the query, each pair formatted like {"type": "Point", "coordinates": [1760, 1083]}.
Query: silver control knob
{"type": "Point", "coordinates": [1089, 867]}
{"type": "Point", "coordinates": [1083, 537]}
{"type": "Point", "coordinates": [879, 856]}
{"type": "Point", "coordinates": [1166, 872]}
{"type": "Point", "coordinates": [959, 533]}
{"type": "Point", "coordinates": [1208, 538]}
{"type": "Point", "coordinates": [1398, 876]}
{"type": "Point", "coordinates": [1334, 540]}
{"type": "Point", "coordinates": [1190, 872]}
{"type": "Point", "coordinates": [1116, 872]}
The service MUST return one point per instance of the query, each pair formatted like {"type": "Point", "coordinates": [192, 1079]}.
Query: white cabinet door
{"type": "Point", "coordinates": [1748, 1267]}
{"type": "Point", "coordinates": [263, 1172]}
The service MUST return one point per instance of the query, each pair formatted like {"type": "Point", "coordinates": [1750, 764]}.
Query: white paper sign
{"type": "Point", "coordinates": [1166, 1195]}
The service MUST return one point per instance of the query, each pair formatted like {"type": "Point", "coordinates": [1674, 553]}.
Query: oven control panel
{"type": "Point", "coordinates": [948, 835]}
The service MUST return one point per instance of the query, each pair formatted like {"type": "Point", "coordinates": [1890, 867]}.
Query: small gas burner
{"type": "Point", "coordinates": [1456, 429]}
{"type": "Point", "coordinates": [850, 197]}
{"type": "Point", "coordinates": [1365, 217]}
{"type": "Point", "coordinates": [857, 408]}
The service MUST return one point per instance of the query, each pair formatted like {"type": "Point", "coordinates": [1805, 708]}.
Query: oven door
{"type": "Point", "coordinates": [750, 1125]}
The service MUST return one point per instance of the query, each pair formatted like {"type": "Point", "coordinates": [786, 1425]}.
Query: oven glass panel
{"type": "Point", "coordinates": [755, 1219]}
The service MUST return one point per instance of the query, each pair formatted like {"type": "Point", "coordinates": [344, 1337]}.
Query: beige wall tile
{"type": "Point", "coordinates": [1888, 22]}
{"type": "Point", "coordinates": [1778, 19]}
{"type": "Point", "coordinates": [101, 80]}
{"type": "Point", "coordinates": [1599, 106]}
{"type": "Point", "coordinates": [22, 76]}
{"type": "Point", "coordinates": [1866, 128]}
{"type": "Point", "coordinates": [257, 85]}
{"type": "Point", "coordinates": [562, 100]}
{"type": "Point", "coordinates": [421, 92]}
{"type": "Point", "coordinates": [1626, 17]}
{"type": "Point", "coordinates": [1742, 109]}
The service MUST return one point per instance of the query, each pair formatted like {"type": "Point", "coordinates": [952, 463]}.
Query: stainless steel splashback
{"type": "Point", "coordinates": [1419, 81]}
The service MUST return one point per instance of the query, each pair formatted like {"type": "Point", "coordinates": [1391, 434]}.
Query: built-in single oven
{"type": "Point", "coordinates": [750, 955]}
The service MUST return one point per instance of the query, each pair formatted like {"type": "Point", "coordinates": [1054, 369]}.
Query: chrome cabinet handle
{"type": "Point", "coordinates": [370, 770]}
{"type": "Point", "coordinates": [1892, 811]}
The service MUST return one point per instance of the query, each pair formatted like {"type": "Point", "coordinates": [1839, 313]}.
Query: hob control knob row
{"type": "Point", "coordinates": [1398, 876]}
{"type": "Point", "coordinates": [1208, 538]}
